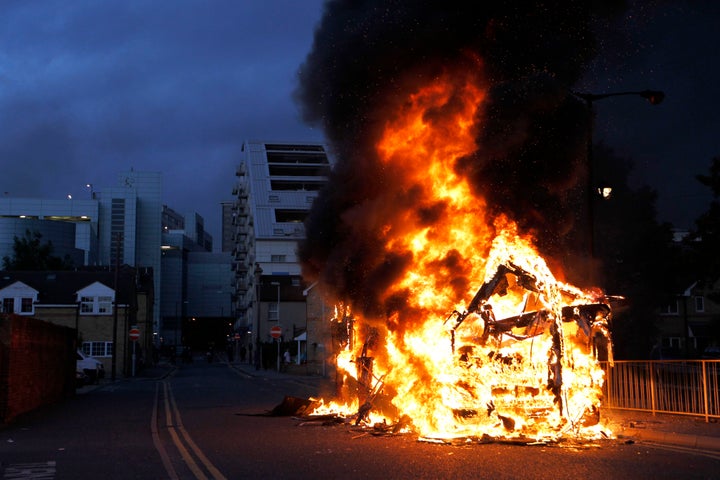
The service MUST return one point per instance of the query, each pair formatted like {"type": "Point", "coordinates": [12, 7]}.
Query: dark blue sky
{"type": "Point", "coordinates": [89, 89]}
{"type": "Point", "coordinates": [675, 50]}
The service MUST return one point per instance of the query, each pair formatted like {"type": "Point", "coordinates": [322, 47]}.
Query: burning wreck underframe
{"type": "Point", "coordinates": [510, 372]}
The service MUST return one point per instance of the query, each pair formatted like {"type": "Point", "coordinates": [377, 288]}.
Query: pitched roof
{"type": "Point", "coordinates": [60, 287]}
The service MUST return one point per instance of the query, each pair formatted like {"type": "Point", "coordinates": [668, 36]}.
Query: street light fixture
{"type": "Point", "coordinates": [655, 97]}
{"type": "Point", "coordinates": [605, 192]}
{"type": "Point", "coordinates": [278, 322]}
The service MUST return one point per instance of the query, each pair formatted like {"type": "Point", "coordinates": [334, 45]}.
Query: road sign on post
{"type": "Point", "coordinates": [276, 331]}
{"type": "Point", "coordinates": [134, 334]}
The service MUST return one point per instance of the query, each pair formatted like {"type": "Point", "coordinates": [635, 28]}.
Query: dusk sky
{"type": "Point", "coordinates": [90, 89]}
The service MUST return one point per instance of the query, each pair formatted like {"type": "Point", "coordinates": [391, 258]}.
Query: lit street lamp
{"type": "Point", "coordinates": [654, 97]}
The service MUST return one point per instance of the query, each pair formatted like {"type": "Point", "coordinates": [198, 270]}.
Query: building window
{"type": "Point", "coordinates": [8, 305]}
{"type": "Point", "coordinates": [290, 216]}
{"type": "Point", "coordinates": [298, 170]}
{"type": "Point", "coordinates": [674, 343]}
{"type": "Point", "coordinates": [699, 304]}
{"type": "Point", "coordinates": [273, 312]}
{"type": "Point", "coordinates": [296, 185]}
{"type": "Point", "coordinates": [104, 305]}
{"type": "Point", "coordinates": [670, 309]}
{"type": "Point", "coordinates": [86, 304]}
{"type": "Point", "coordinates": [100, 305]}
{"type": "Point", "coordinates": [98, 349]}
{"type": "Point", "coordinates": [18, 305]}
{"type": "Point", "coordinates": [278, 258]}
{"type": "Point", "coordinates": [26, 305]}
{"type": "Point", "coordinates": [117, 230]}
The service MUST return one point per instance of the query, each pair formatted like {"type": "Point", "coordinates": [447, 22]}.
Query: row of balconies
{"type": "Point", "coordinates": [242, 265]}
{"type": "Point", "coordinates": [240, 231]}
{"type": "Point", "coordinates": [241, 219]}
{"type": "Point", "coordinates": [240, 251]}
{"type": "Point", "coordinates": [239, 267]}
{"type": "Point", "coordinates": [240, 190]}
{"type": "Point", "coordinates": [242, 285]}
{"type": "Point", "coordinates": [289, 231]}
{"type": "Point", "coordinates": [245, 293]}
{"type": "Point", "coordinates": [241, 208]}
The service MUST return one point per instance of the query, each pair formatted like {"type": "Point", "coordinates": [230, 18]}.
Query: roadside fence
{"type": "Point", "coordinates": [682, 387]}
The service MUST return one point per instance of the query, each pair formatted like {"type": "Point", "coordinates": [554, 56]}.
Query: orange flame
{"type": "Point", "coordinates": [497, 387]}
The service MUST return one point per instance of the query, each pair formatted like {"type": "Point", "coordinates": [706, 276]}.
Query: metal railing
{"type": "Point", "coordinates": [682, 387]}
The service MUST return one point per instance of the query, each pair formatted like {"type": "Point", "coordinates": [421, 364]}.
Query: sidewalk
{"type": "Point", "coordinates": [677, 430]}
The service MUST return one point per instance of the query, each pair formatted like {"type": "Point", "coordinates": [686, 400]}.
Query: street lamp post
{"type": "Point", "coordinates": [654, 97]}
{"type": "Point", "coordinates": [178, 323]}
{"type": "Point", "coordinates": [278, 322]}
{"type": "Point", "coordinates": [177, 328]}
{"type": "Point", "coordinates": [256, 349]}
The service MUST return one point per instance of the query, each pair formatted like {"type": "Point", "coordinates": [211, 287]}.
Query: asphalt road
{"type": "Point", "coordinates": [203, 422]}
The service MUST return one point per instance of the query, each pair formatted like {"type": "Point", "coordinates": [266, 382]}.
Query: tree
{"type": "Point", "coordinates": [30, 253]}
{"type": "Point", "coordinates": [713, 180]}
{"type": "Point", "coordinates": [639, 260]}
{"type": "Point", "coordinates": [702, 242]}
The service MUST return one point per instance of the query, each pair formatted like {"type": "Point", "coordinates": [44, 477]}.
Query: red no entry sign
{"type": "Point", "coordinates": [134, 334]}
{"type": "Point", "coordinates": [276, 331]}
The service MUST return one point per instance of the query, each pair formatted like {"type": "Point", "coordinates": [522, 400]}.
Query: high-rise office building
{"type": "Point", "coordinates": [228, 229]}
{"type": "Point", "coordinates": [130, 225]}
{"type": "Point", "coordinates": [196, 309]}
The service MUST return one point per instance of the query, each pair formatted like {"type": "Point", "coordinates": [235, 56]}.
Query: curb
{"type": "Point", "coordinates": [700, 442]}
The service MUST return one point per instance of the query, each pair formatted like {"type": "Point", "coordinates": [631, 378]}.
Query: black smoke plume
{"type": "Point", "coordinates": [530, 161]}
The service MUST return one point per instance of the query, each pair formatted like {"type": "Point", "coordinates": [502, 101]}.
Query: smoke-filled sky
{"type": "Point", "coordinates": [89, 89]}
{"type": "Point", "coordinates": [530, 160]}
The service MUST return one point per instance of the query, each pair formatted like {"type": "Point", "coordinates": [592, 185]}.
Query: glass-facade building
{"type": "Point", "coordinates": [71, 226]}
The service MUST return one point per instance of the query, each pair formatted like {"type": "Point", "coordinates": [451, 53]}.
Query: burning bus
{"type": "Point", "coordinates": [532, 376]}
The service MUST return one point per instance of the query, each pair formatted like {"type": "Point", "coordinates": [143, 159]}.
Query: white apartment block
{"type": "Point", "coordinates": [277, 183]}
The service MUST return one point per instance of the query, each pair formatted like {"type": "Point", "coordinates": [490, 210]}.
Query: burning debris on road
{"type": "Point", "coordinates": [534, 376]}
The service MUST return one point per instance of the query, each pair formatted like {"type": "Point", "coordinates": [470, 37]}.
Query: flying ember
{"type": "Point", "coordinates": [484, 341]}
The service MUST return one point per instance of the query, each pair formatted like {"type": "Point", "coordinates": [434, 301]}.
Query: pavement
{"type": "Point", "coordinates": [682, 431]}
{"type": "Point", "coordinates": [668, 429]}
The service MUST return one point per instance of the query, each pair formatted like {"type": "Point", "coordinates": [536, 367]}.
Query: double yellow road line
{"type": "Point", "coordinates": [195, 460]}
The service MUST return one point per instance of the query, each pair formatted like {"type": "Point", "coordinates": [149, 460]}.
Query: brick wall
{"type": "Point", "coordinates": [37, 364]}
